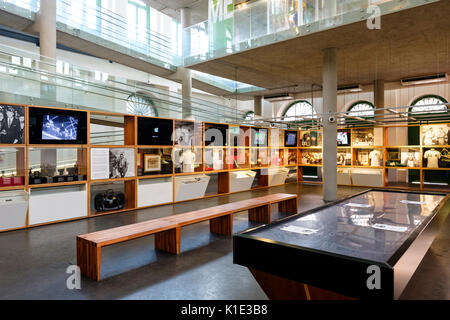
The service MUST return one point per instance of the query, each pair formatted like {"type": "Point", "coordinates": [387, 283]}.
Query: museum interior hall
{"type": "Point", "coordinates": [225, 150]}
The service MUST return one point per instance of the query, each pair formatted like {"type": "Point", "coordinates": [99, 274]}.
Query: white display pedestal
{"type": "Point", "coordinates": [367, 177]}
{"type": "Point", "coordinates": [277, 176]}
{"type": "Point", "coordinates": [13, 209]}
{"type": "Point", "coordinates": [241, 180]}
{"type": "Point", "coordinates": [57, 203]}
{"type": "Point", "coordinates": [190, 187]}
{"type": "Point", "coordinates": [154, 191]}
{"type": "Point", "coordinates": [343, 177]}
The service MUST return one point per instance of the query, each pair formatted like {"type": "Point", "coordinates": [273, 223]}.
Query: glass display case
{"type": "Point", "coordinates": [311, 156]}
{"type": "Point", "coordinates": [215, 159]}
{"type": "Point", "coordinates": [259, 157]}
{"type": "Point", "coordinates": [56, 165]}
{"type": "Point", "coordinates": [276, 138]}
{"type": "Point", "coordinates": [259, 137]}
{"type": "Point", "coordinates": [188, 159]}
{"type": "Point", "coordinates": [240, 136]}
{"type": "Point", "coordinates": [403, 157]}
{"type": "Point", "coordinates": [239, 158]}
{"type": "Point", "coordinates": [290, 157]}
{"type": "Point", "coordinates": [12, 167]}
{"type": "Point", "coordinates": [310, 138]}
{"type": "Point", "coordinates": [154, 161]}
{"type": "Point", "coordinates": [364, 137]}
{"type": "Point", "coordinates": [367, 157]}
{"type": "Point", "coordinates": [112, 196]}
{"type": "Point", "coordinates": [344, 156]}
{"type": "Point", "coordinates": [276, 157]}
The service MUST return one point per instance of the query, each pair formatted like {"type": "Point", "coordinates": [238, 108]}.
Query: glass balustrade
{"type": "Point", "coordinates": [253, 24]}
{"type": "Point", "coordinates": [25, 79]}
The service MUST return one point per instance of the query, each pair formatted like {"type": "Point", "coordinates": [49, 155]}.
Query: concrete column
{"type": "Point", "coordinates": [378, 94]}
{"type": "Point", "coordinates": [47, 29]}
{"type": "Point", "coordinates": [257, 105]}
{"type": "Point", "coordinates": [47, 43]}
{"type": "Point", "coordinates": [186, 77]}
{"type": "Point", "coordinates": [329, 76]}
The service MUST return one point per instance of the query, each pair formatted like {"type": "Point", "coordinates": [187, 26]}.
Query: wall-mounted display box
{"type": "Point", "coordinates": [310, 174]}
{"type": "Point", "coordinates": [112, 163]}
{"type": "Point", "coordinates": [344, 156]}
{"type": "Point", "coordinates": [403, 157]}
{"type": "Point", "coordinates": [188, 133]}
{"type": "Point", "coordinates": [215, 159]}
{"type": "Point", "coordinates": [368, 157]}
{"type": "Point", "coordinates": [188, 159]}
{"type": "Point", "coordinates": [290, 157]}
{"type": "Point", "coordinates": [310, 138]}
{"type": "Point", "coordinates": [48, 165]}
{"type": "Point", "coordinates": [12, 167]}
{"type": "Point", "coordinates": [216, 134]}
{"type": "Point", "coordinates": [239, 158]}
{"type": "Point", "coordinates": [276, 139]}
{"type": "Point", "coordinates": [112, 196]}
{"type": "Point", "coordinates": [402, 178]}
{"type": "Point", "coordinates": [311, 157]}
{"type": "Point", "coordinates": [154, 161]}
{"type": "Point", "coordinates": [240, 136]}
{"type": "Point", "coordinates": [154, 132]}
{"type": "Point", "coordinates": [259, 157]}
{"type": "Point", "coordinates": [276, 157]}
{"type": "Point", "coordinates": [367, 137]}
{"type": "Point", "coordinates": [259, 137]}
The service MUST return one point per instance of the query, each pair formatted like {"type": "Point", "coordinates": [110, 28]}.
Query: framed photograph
{"type": "Point", "coordinates": [152, 163]}
{"type": "Point", "coordinates": [12, 124]}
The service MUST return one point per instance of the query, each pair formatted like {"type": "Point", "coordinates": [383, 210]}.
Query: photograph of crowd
{"type": "Point", "coordinates": [12, 124]}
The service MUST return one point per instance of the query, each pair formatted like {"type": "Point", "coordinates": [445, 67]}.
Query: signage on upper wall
{"type": "Point", "coordinates": [220, 23]}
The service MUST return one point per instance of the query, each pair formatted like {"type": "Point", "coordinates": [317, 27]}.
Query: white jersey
{"type": "Point", "coordinates": [432, 157]}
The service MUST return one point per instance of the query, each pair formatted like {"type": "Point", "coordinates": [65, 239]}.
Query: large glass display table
{"type": "Point", "coordinates": [367, 246]}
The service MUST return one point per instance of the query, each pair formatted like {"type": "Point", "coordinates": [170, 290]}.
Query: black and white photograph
{"type": "Point", "coordinates": [12, 124]}
{"type": "Point", "coordinates": [436, 135]}
{"type": "Point", "coordinates": [121, 163]}
{"type": "Point", "coordinates": [59, 127]}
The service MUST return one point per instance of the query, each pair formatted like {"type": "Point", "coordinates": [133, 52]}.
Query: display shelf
{"type": "Point", "coordinates": [310, 138]}
{"type": "Point", "coordinates": [188, 133]}
{"type": "Point", "coordinates": [187, 160]}
{"type": "Point", "coordinates": [254, 155]}
{"type": "Point", "coordinates": [51, 166]}
{"type": "Point", "coordinates": [12, 167]}
{"type": "Point", "coordinates": [154, 161]}
{"type": "Point", "coordinates": [310, 157]}
{"type": "Point", "coordinates": [216, 159]}
{"type": "Point", "coordinates": [112, 196]}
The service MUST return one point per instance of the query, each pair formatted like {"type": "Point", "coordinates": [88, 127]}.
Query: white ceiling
{"type": "Point", "coordinates": [199, 8]}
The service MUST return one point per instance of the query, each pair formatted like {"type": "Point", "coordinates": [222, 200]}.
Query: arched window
{"type": "Point", "coordinates": [141, 105]}
{"type": "Point", "coordinates": [299, 111]}
{"type": "Point", "coordinates": [429, 104]}
{"type": "Point", "coordinates": [363, 109]}
{"type": "Point", "coordinates": [250, 115]}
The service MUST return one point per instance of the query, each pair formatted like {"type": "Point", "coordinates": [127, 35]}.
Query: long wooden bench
{"type": "Point", "coordinates": [167, 229]}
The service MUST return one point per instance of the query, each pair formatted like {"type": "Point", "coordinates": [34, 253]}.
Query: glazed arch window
{"type": "Point", "coordinates": [429, 104]}
{"type": "Point", "coordinates": [363, 109]}
{"type": "Point", "coordinates": [141, 105]}
{"type": "Point", "coordinates": [250, 115]}
{"type": "Point", "coordinates": [299, 111]}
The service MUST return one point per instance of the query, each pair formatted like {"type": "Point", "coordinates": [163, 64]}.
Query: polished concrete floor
{"type": "Point", "coordinates": [33, 262]}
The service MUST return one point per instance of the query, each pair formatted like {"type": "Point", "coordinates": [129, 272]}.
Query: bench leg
{"type": "Point", "coordinates": [260, 214]}
{"type": "Point", "coordinates": [168, 241]}
{"type": "Point", "coordinates": [88, 259]}
{"type": "Point", "coordinates": [288, 206]}
{"type": "Point", "coordinates": [222, 225]}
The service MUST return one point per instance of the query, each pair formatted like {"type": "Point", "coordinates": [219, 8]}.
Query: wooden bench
{"type": "Point", "coordinates": [167, 229]}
